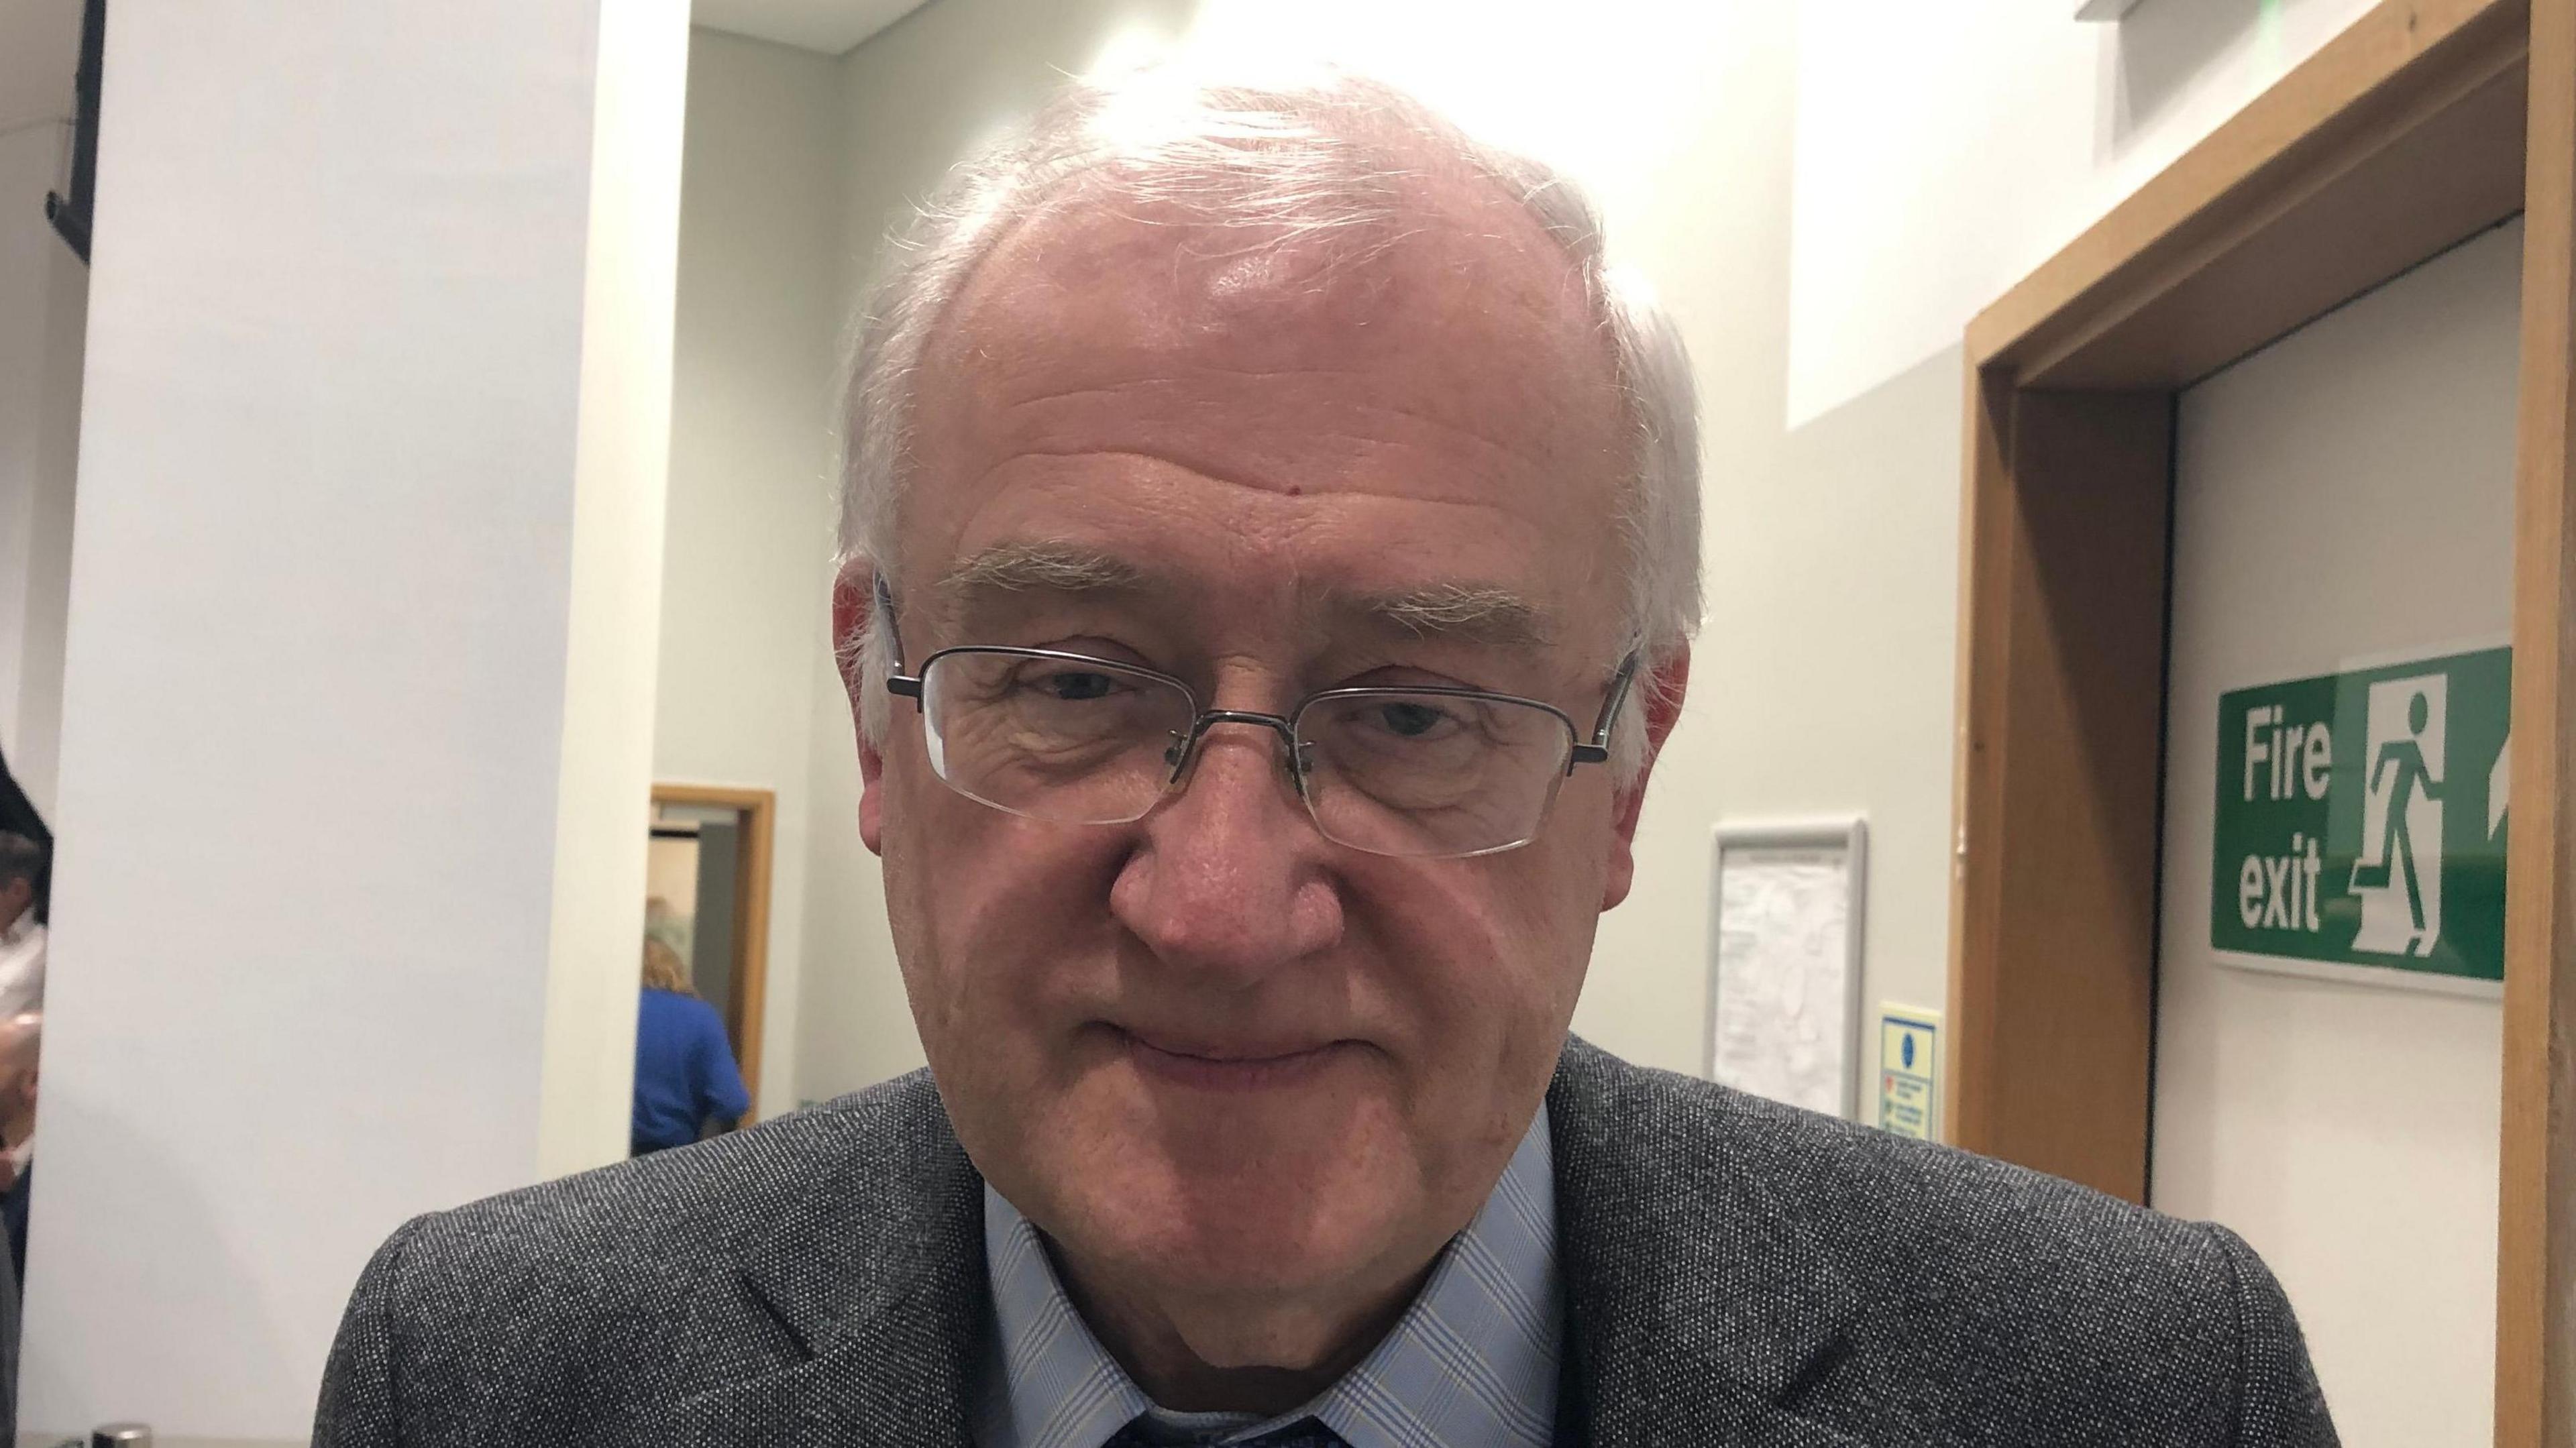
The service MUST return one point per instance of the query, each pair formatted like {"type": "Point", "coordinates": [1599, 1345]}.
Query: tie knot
{"type": "Point", "coordinates": [1304, 1433]}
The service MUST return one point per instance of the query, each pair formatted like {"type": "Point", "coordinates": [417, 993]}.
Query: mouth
{"type": "Point", "coordinates": [1229, 1066]}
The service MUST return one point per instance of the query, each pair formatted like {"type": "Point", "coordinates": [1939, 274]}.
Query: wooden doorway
{"type": "Point", "coordinates": [2424, 123]}
{"type": "Point", "coordinates": [729, 933]}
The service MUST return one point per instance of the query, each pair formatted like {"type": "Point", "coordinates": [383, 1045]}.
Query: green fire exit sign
{"type": "Point", "coordinates": [2361, 818]}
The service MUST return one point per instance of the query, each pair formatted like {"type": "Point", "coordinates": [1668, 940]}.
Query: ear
{"type": "Point", "coordinates": [853, 602]}
{"type": "Point", "coordinates": [1664, 689]}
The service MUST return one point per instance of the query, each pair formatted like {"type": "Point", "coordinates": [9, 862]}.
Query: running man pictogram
{"type": "Point", "coordinates": [2402, 757]}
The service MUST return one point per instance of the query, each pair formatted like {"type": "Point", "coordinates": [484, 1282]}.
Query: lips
{"type": "Point", "coordinates": [1230, 1065]}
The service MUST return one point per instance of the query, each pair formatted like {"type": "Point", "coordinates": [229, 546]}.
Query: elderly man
{"type": "Point", "coordinates": [1270, 549]}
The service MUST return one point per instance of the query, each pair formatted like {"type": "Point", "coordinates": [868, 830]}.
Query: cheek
{"type": "Point", "coordinates": [989, 911]}
{"type": "Point", "coordinates": [1484, 959]}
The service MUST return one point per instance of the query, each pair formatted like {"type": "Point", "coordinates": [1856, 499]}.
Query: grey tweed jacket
{"type": "Point", "coordinates": [1735, 1273]}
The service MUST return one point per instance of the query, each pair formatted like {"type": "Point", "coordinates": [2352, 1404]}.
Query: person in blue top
{"type": "Point", "coordinates": [684, 1070]}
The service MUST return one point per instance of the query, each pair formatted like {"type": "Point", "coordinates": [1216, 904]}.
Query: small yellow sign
{"type": "Point", "coordinates": [1909, 1072]}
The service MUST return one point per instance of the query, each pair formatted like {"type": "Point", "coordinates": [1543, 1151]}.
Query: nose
{"type": "Point", "coordinates": [1231, 879]}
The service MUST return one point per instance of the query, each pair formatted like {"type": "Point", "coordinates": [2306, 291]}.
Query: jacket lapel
{"type": "Point", "coordinates": [876, 1282]}
{"type": "Point", "coordinates": [1700, 1307]}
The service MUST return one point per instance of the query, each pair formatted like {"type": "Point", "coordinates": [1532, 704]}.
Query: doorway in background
{"type": "Point", "coordinates": [707, 897]}
{"type": "Point", "coordinates": [2325, 1071]}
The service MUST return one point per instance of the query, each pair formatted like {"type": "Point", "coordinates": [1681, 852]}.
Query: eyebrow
{"type": "Point", "coordinates": [979, 592]}
{"type": "Point", "coordinates": [1467, 613]}
{"type": "Point", "coordinates": [1048, 567]}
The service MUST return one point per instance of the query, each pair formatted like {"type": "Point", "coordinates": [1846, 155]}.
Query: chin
{"type": "Point", "coordinates": [1247, 1196]}
{"type": "Point", "coordinates": [1277, 1242]}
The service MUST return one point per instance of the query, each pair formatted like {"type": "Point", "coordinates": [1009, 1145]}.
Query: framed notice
{"type": "Point", "coordinates": [1785, 962]}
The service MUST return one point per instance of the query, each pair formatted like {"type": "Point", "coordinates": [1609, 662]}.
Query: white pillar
{"type": "Point", "coordinates": [358, 693]}
{"type": "Point", "coordinates": [621, 478]}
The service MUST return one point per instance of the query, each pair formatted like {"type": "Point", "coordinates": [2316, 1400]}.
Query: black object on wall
{"type": "Point", "coordinates": [71, 214]}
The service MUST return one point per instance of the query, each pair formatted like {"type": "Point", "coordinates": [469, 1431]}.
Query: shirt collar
{"type": "Point", "coordinates": [1474, 1359]}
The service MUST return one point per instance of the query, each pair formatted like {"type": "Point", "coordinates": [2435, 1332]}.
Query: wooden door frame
{"type": "Point", "coordinates": [759, 811]}
{"type": "Point", "coordinates": [2424, 123]}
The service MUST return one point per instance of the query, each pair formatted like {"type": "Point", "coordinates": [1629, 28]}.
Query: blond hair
{"type": "Point", "coordinates": [663, 968]}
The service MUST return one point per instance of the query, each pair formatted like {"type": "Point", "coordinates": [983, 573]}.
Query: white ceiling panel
{"type": "Point", "coordinates": [827, 26]}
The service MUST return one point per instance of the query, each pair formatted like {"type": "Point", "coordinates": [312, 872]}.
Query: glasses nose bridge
{"type": "Point", "coordinates": [1185, 751]}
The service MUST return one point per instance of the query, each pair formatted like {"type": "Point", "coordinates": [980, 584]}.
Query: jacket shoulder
{"type": "Point", "coordinates": [1865, 1194]}
{"type": "Point", "coordinates": [635, 1284]}
{"type": "Point", "coordinates": [1984, 1290]}
{"type": "Point", "coordinates": [710, 1200]}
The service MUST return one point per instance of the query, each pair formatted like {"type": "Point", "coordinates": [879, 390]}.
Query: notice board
{"type": "Point", "coordinates": [1785, 962]}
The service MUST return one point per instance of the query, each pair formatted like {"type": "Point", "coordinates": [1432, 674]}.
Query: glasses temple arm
{"type": "Point", "coordinates": [898, 683]}
{"type": "Point", "coordinates": [1598, 750]}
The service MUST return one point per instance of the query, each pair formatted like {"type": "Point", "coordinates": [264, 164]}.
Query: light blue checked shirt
{"type": "Point", "coordinates": [1472, 1363]}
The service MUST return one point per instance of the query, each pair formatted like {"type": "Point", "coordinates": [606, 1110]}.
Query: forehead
{"type": "Point", "coordinates": [1437, 370]}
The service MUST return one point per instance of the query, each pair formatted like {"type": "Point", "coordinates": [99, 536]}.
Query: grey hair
{"type": "Point", "coordinates": [1314, 160]}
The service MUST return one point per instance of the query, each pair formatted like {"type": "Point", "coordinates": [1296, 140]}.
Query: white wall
{"type": "Point", "coordinates": [2346, 493]}
{"type": "Point", "coordinates": [747, 563]}
{"type": "Point", "coordinates": [1946, 150]}
{"type": "Point", "coordinates": [43, 293]}
{"type": "Point", "coordinates": [359, 535]}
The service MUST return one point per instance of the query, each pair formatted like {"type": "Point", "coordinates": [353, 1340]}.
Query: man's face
{"type": "Point", "coordinates": [1212, 1052]}
{"type": "Point", "coordinates": [15, 897]}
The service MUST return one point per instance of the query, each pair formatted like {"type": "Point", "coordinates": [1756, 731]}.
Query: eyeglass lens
{"type": "Point", "coordinates": [1390, 771]}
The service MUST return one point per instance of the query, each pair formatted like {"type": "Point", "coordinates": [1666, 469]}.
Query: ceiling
{"type": "Point", "coordinates": [829, 27]}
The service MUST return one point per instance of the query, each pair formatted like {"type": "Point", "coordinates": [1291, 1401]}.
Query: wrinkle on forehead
{"type": "Point", "coordinates": [1462, 276]}
{"type": "Point", "coordinates": [1305, 424]}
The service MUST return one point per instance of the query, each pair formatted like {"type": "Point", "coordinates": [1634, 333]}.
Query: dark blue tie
{"type": "Point", "coordinates": [1304, 1433]}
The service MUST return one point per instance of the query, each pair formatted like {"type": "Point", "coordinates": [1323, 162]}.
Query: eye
{"type": "Point", "coordinates": [1408, 719]}
{"type": "Point", "coordinates": [1073, 686]}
